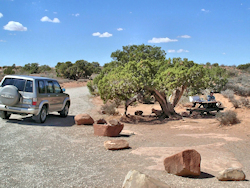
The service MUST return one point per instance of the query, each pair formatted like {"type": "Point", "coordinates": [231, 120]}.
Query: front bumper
{"type": "Point", "coordinates": [19, 110]}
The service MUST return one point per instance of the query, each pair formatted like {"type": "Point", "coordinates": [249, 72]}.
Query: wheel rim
{"type": "Point", "coordinates": [66, 110]}
{"type": "Point", "coordinates": [43, 114]}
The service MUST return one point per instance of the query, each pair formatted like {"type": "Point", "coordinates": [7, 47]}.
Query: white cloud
{"type": "Point", "coordinates": [1, 15]}
{"type": "Point", "coordinates": [47, 19]}
{"type": "Point", "coordinates": [15, 26]}
{"type": "Point", "coordinates": [119, 29]}
{"type": "Point", "coordinates": [46, 10]}
{"type": "Point", "coordinates": [181, 50]}
{"type": "Point", "coordinates": [184, 36]}
{"type": "Point", "coordinates": [204, 10]}
{"type": "Point", "coordinates": [2, 40]}
{"type": "Point", "coordinates": [224, 53]}
{"type": "Point", "coordinates": [106, 34]}
{"type": "Point", "coordinates": [177, 51]}
{"type": "Point", "coordinates": [171, 51]}
{"type": "Point", "coordinates": [162, 40]}
{"type": "Point", "coordinates": [76, 15]}
{"type": "Point", "coordinates": [55, 12]}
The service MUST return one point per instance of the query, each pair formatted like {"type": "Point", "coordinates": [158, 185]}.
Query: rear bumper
{"type": "Point", "coordinates": [19, 110]}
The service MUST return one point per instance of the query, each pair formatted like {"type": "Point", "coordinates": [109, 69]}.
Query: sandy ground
{"type": "Point", "coordinates": [62, 154]}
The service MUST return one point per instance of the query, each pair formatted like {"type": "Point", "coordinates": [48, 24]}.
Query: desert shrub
{"type": "Point", "coordinates": [235, 102]}
{"type": "Point", "coordinates": [244, 102]}
{"type": "Point", "coordinates": [228, 93]}
{"type": "Point", "coordinates": [243, 66]}
{"type": "Point", "coordinates": [9, 70]}
{"type": "Point", "coordinates": [92, 88]}
{"type": "Point", "coordinates": [109, 108]}
{"type": "Point", "coordinates": [232, 73]}
{"type": "Point", "coordinates": [227, 118]}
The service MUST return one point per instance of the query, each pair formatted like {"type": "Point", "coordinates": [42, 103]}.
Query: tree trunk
{"type": "Point", "coordinates": [178, 94]}
{"type": "Point", "coordinates": [166, 107]}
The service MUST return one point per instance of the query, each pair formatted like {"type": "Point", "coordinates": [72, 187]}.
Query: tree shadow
{"type": "Point", "coordinates": [52, 120]}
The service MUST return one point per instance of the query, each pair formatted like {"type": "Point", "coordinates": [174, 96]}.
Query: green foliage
{"type": "Point", "coordinates": [137, 68]}
{"type": "Point", "coordinates": [137, 53]}
{"type": "Point", "coordinates": [44, 68]}
{"type": "Point", "coordinates": [9, 70]}
{"type": "Point", "coordinates": [80, 69]}
{"type": "Point", "coordinates": [32, 68]}
{"type": "Point", "coordinates": [243, 66]}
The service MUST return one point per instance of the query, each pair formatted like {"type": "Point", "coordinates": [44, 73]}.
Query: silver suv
{"type": "Point", "coordinates": [32, 95]}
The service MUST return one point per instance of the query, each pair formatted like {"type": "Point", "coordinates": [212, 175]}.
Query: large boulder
{"type": "Point", "coordinates": [135, 179]}
{"type": "Point", "coordinates": [185, 163]}
{"type": "Point", "coordinates": [113, 128]}
{"type": "Point", "coordinates": [231, 174]}
{"type": "Point", "coordinates": [116, 144]}
{"type": "Point", "coordinates": [84, 119]}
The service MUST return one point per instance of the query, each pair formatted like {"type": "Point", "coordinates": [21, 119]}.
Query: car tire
{"type": "Point", "coordinates": [4, 115]}
{"type": "Point", "coordinates": [41, 117]}
{"type": "Point", "coordinates": [65, 111]}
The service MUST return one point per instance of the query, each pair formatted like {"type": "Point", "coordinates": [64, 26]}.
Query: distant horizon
{"type": "Point", "coordinates": [47, 32]}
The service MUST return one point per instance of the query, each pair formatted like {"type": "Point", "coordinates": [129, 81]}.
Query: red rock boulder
{"type": "Point", "coordinates": [185, 163]}
{"type": "Point", "coordinates": [113, 128]}
{"type": "Point", "coordinates": [84, 119]}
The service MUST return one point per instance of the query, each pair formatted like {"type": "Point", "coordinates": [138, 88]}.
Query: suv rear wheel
{"type": "Point", "coordinates": [4, 115]}
{"type": "Point", "coordinates": [41, 117]}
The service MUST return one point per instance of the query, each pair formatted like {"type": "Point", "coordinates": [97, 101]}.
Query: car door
{"type": "Point", "coordinates": [51, 95]}
{"type": "Point", "coordinates": [59, 96]}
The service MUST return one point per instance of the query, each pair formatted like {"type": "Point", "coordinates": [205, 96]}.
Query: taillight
{"type": "Point", "coordinates": [34, 101]}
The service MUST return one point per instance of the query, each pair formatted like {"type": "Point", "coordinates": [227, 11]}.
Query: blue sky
{"type": "Point", "coordinates": [52, 31]}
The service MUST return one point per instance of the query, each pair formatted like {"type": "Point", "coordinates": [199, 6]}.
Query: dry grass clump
{"type": "Point", "coordinates": [227, 118]}
{"type": "Point", "coordinates": [109, 108]}
{"type": "Point", "coordinates": [228, 93]}
{"type": "Point", "coordinates": [245, 102]}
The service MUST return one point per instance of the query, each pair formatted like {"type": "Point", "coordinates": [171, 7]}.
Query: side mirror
{"type": "Point", "coordinates": [63, 89]}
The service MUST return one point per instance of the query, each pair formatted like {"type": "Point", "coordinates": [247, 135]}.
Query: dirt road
{"type": "Point", "coordinates": [61, 154]}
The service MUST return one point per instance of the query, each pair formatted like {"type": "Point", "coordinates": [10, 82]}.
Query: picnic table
{"type": "Point", "coordinates": [205, 107]}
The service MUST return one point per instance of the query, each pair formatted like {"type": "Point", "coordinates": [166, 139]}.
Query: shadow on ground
{"type": "Point", "coordinates": [52, 120]}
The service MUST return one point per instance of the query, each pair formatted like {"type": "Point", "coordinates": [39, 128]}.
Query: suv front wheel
{"type": "Point", "coordinates": [65, 111]}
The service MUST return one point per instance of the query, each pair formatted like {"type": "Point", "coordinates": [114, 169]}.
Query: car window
{"type": "Point", "coordinates": [41, 86]}
{"type": "Point", "coordinates": [19, 83]}
{"type": "Point", "coordinates": [29, 86]}
{"type": "Point", "coordinates": [50, 88]}
{"type": "Point", "coordinates": [57, 87]}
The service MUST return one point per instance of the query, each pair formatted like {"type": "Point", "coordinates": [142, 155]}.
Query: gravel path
{"type": "Point", "coordinates": [61, 154]}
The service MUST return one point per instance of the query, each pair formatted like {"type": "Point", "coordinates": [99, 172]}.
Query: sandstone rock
{"type": "Point", "coordinates": [135, 179]}
{"type": "Point", "coordinates": [231, 174]}
{"type": "Point", "coordinates": [138, 112]}
{"type": "Point", "coordinates": [83, 119]}
{"type": "Point", "coordinates": [184, 114]}
{"type": "Point", "coordinates": [114, 122]}
{"type": "Point", "coordinates": [185, 163]}
{"type": "Point", "coordinates": [101, 121]}
{"type": "Point", "coordinates": [116, 144]}
{"type": "Point", "coordinates": [108, 129]}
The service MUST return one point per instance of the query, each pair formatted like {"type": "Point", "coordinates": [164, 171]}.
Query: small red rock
{"type": "Point", "coordinates": [185, 163]}
{"type": "Point", "coordinates": [84, 119]}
